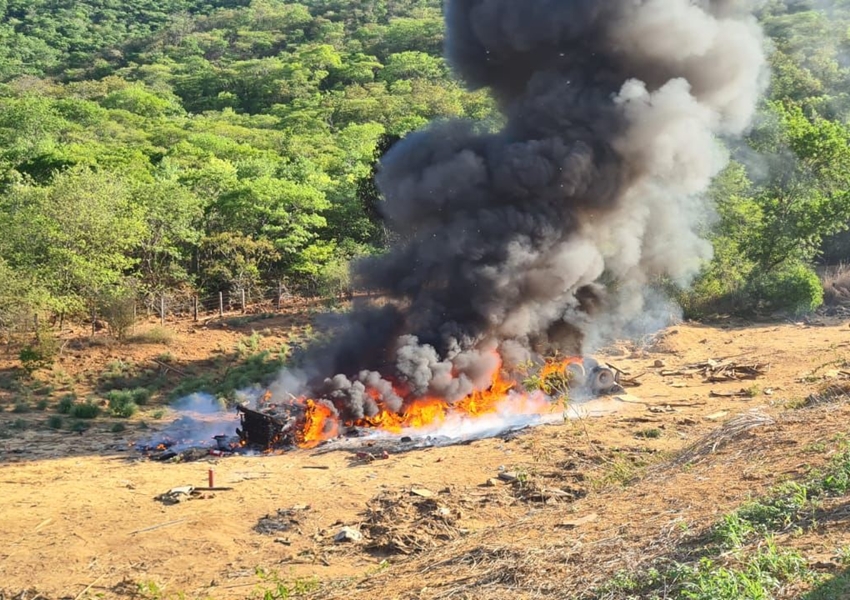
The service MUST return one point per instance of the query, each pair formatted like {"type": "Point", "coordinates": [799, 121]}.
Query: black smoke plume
{"type": "Point", "coordinates": [545, 235]}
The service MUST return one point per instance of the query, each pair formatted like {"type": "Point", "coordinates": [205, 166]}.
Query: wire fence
{"type": "Point", "coordinates": [168, 305]}
{"type": "Point", "coordinates": [184, 303]}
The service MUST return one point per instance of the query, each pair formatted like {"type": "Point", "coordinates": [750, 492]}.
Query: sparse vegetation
{"type": "Point", "coordinates": [80, 426]}
{"type": "Point", "coordinates": [55, 422]}
{"type": "Point", "coordinates": [125, 403]}
{"type": "Point", "coordinates": [154, 335]}
{"type": "Point", "coordinates": [652, 433]}
{"type": "Point", "coordinates": [40, 354]}
{"type": "Point", "coordinates": [66, 403]}
{"type": "Point", "coordinates": [256, 369]}
{"type": "Point", "coordinates": [84, 410]}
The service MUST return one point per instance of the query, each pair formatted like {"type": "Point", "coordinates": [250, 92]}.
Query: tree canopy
{"type": "Point", "coordinates": [213, 144]}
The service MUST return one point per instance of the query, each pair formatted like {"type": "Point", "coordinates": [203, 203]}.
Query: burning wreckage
{"type": "Point", "coordinates": [286, 426]}
{"type": "Point", "coordinates": [548, 237]}
{"type": "Point", "coordinates": [303, 423]}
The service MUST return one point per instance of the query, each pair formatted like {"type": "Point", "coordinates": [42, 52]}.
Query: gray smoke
{"type": "Point", "coordinates": [548, 234]}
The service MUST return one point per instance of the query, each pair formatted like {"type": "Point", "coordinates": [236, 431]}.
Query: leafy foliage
{"type": "Point", "coordinates": [212, 144]}
{"type": "Point", "coordinates": [221, 145]}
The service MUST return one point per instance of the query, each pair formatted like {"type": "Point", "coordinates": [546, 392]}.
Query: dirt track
{"type": "Point", "coordinates": [79, 512]}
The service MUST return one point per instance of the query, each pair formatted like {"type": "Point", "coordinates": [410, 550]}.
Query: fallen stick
{"type": "Point", "coordinates": [88, 587]}
{"type": "Point", "coordinates": [167, 366]}
{"type": "Point", "coordinates": [160, 526]}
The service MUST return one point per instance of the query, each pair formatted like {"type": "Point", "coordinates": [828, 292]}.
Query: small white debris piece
{"type": "Point", "coordinates": [348, 534]}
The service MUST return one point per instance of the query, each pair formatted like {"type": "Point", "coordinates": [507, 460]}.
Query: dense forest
{"type": "Point", "coordinates": [215, 145]}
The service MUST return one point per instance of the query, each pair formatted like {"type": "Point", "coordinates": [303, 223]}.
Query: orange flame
{"type": "Point", "coordinates": [320, 423]}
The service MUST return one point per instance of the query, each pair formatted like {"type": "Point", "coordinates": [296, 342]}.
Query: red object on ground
{"type": "Point", "coordinates": [211, 474]}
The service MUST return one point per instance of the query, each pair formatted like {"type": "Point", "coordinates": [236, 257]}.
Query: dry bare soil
{"type": "Point", "coordinates": [579, 502]}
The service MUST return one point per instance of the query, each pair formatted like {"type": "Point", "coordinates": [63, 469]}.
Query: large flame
{"type": "Point", "coordinates": [503, 395]}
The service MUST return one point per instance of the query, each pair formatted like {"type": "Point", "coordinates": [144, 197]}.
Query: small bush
{"type": "Point", "coordinates": [19, 424]}
{"type": "Point", "coordinates": [124, 410]}
{"type": "Point", "coordinates": [154, 335]}
{"type": "Point", "coordinates": [39, 355]}
{"type": "Point", "coordinates": [794, 287]}
{"type": "Point", "coordinates": [121, 403]}
{"type": "Point", "coordinates": [158, 414]}
{"type": "Point", "coordinates": [42, 404]}
{"type": "Point", "coordinates": [118, 428]}
{"type": "Point", "coordinates": [141, 396]}
{"type": "Point", "coordinates": [21, 407]}
{"type": "Point", "coordinates": [80, 426]}
{"type": "Point", "coordinates": [649, 434]}
{"type": "Point", "coordinates": [55, 422]}
{"type": "Point", "coordinates": [118, 310]}
{"type": "Point", "coordinates": [85, 410]}
{"type": "Point", "coordinates": [66, 403]}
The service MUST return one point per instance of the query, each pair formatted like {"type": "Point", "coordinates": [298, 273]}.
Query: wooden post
{"type": "Point", "coordinates": [93, 319]}
{"type": "Point", "coordinates": [279, 294]}
{"type": "Point", "coordinates": [243, 301]}
{"type": "Point", "coordinates": [195, 308]}
{"type": "Point", "coordinates": [221, 304]}
{"type": "Point", "coordinates": [162, 310]}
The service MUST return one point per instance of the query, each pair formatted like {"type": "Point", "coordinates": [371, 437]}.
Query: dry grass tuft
{"type": "Point", "coordinates": [829, 394]}
{"type": "Point", "coordinates": [836, 285]}
{"type": "Point", "coordinates": [732, 430]}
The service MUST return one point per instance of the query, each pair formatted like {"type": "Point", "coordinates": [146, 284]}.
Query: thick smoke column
{"type": "Point", "coordinates": [546, 234]}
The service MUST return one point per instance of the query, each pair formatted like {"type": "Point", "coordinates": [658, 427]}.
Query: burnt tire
{"type": "Point", "coordinates": [602, 380]}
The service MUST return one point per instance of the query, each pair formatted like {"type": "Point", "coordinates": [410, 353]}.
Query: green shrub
{"type": "Point", "coordinates": [21, 407]}
{"type": "Point", "coordinates": [85, 410]}
{"type": "Point", "coordinates": [118, 428]}
{"type": "Point", "coordinates": [19, 424]}
{"type": "Point", "coordinates": [118, 308]}
{"type": "Point", "coordinates": [42, 404]}
{"type": "Point", "coordinates": [39, 355]}
{"type": "Point", "coordinates": [55, 422]}
{"type": "Point", "coordinates": [80, 426]}
{"type": "Point", "coordinates": [66, 403]}
{"type": "Point", "coordinates": [141, 396]}
{"type": "Point", "coordinates": [121, 403]}
{"type": "Point", "coordinates": [794, 287]}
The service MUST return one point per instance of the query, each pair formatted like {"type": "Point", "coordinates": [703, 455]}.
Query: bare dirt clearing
{"type": "Point", "coordinates": [80, 518]}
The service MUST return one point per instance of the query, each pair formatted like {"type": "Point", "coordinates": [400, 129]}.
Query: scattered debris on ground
{"type": "Point", "coordinates": [411, 521]}
{"type": "Point", "coordinates": [718, 370]}
{"type": "Point", "coordinates": [283, 520]}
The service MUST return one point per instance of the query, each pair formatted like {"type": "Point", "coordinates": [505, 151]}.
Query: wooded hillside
{"type": "Point", "coordinates": [222, 144]}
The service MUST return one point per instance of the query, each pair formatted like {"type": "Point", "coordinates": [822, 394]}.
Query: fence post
{"type": "Point", "coordinates": [195, 308]}
{"type": "Point", "coordinates": [221, 304]}
{"type": "Point", "coordinates": [162, 310]}
{"type": "Point", "coordinates": [243, 301]}
{"type": "Point", "coordinates": [279, 293]}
